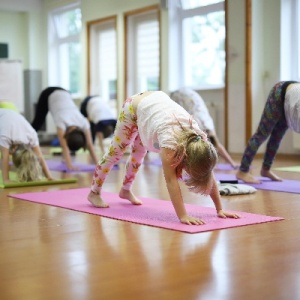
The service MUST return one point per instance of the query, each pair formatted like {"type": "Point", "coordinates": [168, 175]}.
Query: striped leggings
{"type": "Point", "coordinates": [125, 135]}
{"type": "Point", "coordinates": [272, 124]}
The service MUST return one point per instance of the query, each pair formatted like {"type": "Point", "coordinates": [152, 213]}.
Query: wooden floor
{"type": "Point", "coordinates": [52, 253]}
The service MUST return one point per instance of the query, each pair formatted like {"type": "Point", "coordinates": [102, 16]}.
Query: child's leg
{"type": "Point", "coordinates": [272, 147]}
{"type": "Point", "coordinates": [274, 143]}
{"type": "Point", "coordinates": [42, 108]}
{"type": "Point", "coordinates": [134, 161]}
{"type": "Point", "coordinates": [125, 133]}
{"type": "Point", "coordinates": [272, 114]}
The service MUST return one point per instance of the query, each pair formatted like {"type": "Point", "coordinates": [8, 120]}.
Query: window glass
{"type": "Point", "coordinates": [68, 23]}
{"type": "Point", "coordinates": [197, 44]}
{"type": "Point", "coordinates": [143, 52]}
{"type": "Point", "coordinates": [65, 48]}
{"type": "Point", "coordinates": [204, 49]}
{"type": "Point", "coordinates": [188, 4]}
{"type": "Point", "coordinates": [103, 60]}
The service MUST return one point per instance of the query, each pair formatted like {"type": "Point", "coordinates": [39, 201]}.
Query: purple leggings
{"type": "Point", "coordinates": [126, 134]}
{"type": "Point", "coordinates": [272, 124]}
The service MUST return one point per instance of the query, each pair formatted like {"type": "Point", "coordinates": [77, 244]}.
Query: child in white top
{"type": "Point", "coordinates": [152, 121]}
{"type": "Point", "coordinates": [102, 118]}
{"type": "Point", "coordinates": [73, 129]}
{"type": "Point", "coordinates": [193, 103]}
{"type": "Point", "coordinates": [19, 139]}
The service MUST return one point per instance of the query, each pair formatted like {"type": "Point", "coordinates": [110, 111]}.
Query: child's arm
{"type": "Point", "coordinates": [215, 196]}
{"type": "Point", "coordinates": [90, 146]}
{"type": "Point", "coordinates": [174, 189]}
{"type": "Point", "coordinates": [100, 140]}
{"type": "Point", "coordinates": [65, 149]}
{"type": "Point", "coordinates": [221, 150]}
{"type": "Point", "coordinates": [5, 164]}
{"type": "Point", "coordinates": [38, 152]}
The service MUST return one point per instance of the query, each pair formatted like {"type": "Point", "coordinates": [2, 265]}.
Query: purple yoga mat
{"type": "Point", "coordinates": [223, 167]}
{"type": "Point", "coordinates": [153, 212]}
{"type": "Point", "coordinates": [62, 167]}
{"type": "Point", "coordinates": [288, 186]}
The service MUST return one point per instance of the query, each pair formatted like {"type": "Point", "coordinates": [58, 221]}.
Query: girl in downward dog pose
{"type": "Point", "coordinates": [151, 121]}
{"type": "Point", "coordinates": [281, 112]}
{"type": "Point", "coordinates": [19, 139]}
{"type": "Point", "coordinates": [73, 129]}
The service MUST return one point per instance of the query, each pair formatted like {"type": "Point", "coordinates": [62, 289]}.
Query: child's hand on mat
{"type": "Point", "coordinates": [224, 214]}
{"type": "Point", "coordinates": [191, 220]}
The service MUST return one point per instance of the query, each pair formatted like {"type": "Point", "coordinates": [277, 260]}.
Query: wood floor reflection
{"type": "Point", "coordinates": [53, 253]}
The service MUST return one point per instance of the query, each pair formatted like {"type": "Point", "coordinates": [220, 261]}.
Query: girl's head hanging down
{"type": "Point", "coordinates": [75, 138]}
{"type": "Point", "coordinates": [27, 164]}
{"type": "Point", "coordinates": [197, 156]}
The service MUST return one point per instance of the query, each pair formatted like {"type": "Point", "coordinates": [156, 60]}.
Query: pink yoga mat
{"type": "Point", "coordinates": [62, 167]}
{"type": "Point", "coordinates": [288, 186]}
{"type": "Point", "coordinates": [153, 212]}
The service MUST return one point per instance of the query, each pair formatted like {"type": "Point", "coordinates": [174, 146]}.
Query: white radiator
{"type": "Point", "coordinates": [296, 140]}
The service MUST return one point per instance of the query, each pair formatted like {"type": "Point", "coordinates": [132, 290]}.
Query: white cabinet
{"type": "Point", "coordinates": [12, 83]}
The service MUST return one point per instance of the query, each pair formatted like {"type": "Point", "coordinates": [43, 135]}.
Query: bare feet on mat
{"type": "Point", "coordinates": [246, 177]}
{"type": "Point", "coordinates": [128, 195]}
{"type": "Point", "coordinates": [270, 174]}
{"type": "Point", "coordinates": [96, 200]}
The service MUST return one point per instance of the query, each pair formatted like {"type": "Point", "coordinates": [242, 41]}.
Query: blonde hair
{"type": "Point", "coordinates": [197, 157]}
{"type": "Point", "coordinates": [27, 164]}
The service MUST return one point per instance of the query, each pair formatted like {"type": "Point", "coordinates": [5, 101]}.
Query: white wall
{"type": "Point", "coordinates": [236, 75]}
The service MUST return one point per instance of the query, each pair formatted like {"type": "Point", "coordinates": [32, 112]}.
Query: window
{"type": "Point", "coordinates": [197, 31]}
{"type": "Point", "coordinates": [143, 52]}
{"type": "Point", "coordinates": [290, 40]}
{"type": "Point", "coordinates": [64, 48]}
{"type": "Point", "coordinates": [102, 60]}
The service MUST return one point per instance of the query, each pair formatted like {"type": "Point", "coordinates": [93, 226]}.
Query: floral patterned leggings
{"type": "Point", "coordinates": [273, 124]}
{"type": "Point", "coordinates": [126, 133]}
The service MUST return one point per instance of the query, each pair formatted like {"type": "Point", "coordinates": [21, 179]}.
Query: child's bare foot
{"type": "Point", "coordinates": [128, 195]}
{"type": "Point", "coordinates": [270, 174]}
{"type": "Point", "coordinates": [246, 177]}
{"type": "Point", "coordinates": [96, 200]}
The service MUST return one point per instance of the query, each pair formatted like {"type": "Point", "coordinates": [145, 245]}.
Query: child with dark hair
{"type": "Point", "coordinates": [151, 121]}
{"type": "Point", "coordinates": [102, 118]}
{"type": "Point", "coordinates": [73, 129]}
{"type": "Point", "coordinates": [19, 139]}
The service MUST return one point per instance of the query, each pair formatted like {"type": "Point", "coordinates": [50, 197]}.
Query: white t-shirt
{"type": "Point", "coordinates": [292, 107]}
{"type": "Point", "coordinates": [99, 110]}
{"type": "Point", "coordinates": [193, 103]}
{"type": "Point", "coordinates": [15, 129]}
{"type": "Point", "coordinates": [158, 119]}
{"type": "Point", "coordinates": [64, 111]}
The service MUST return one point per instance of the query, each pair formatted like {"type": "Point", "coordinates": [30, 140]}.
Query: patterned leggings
{"type": "Point", "coordinates": [126, 133]}
{"type": "Point", "coordinates": [273, 124]}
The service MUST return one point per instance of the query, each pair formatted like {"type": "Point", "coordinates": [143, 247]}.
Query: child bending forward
{"type": "Point", "coordinates": [20, 140]}
{"type": "Point", "coordinates": [151, 121]}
